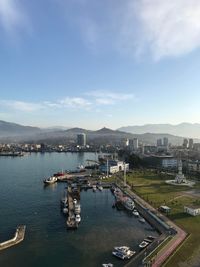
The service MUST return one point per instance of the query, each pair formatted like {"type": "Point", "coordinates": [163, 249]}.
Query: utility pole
{"type": "Point", "coordinates": [107, 168]}
{"type": "Point", "coordinates": [124, 174]}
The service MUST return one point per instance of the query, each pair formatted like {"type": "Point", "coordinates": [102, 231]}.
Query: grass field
{"type": "Point", "coordinates": [152, 188]}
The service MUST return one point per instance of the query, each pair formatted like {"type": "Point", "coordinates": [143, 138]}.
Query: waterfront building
{"type": "Point", "coordinates": [113, 166]}
{"type": "Point", "coordinates": [81, 139]}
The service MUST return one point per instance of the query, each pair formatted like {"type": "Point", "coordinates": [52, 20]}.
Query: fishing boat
{"type": "Point", "coordinates": [50, 180]}
{"type": "Point", "coordinates": [107, 265]}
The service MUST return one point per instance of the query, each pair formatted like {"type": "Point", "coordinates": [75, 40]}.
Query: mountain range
{"type": "Point", "coordinates": [191, 130]}
{"type": "Point", "coordinates": [12, 132]}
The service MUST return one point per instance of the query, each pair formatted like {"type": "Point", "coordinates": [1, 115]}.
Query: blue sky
{"type": "Point", "coordinates": [91, 63]}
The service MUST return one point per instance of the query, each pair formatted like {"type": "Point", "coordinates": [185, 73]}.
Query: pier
{"type": "Point", "coordinates": [72, 194]}
{"type": "Point", "coordinates": [18, 237]}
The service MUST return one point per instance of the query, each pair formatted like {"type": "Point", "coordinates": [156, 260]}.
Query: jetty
{"type": "Point", "coordinates": [18, 237]}
{"type": "Point", "coordinates": [73, 194]}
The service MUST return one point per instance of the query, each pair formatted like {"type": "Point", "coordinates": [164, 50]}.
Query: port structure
{"type": "Point", "coordinates": [18, 237]}
{"type": "Point", "coordinates": [71, 196]}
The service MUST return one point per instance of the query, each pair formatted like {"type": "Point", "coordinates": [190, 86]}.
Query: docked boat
{"type": "Point", "coordinates": [50, 180]}
{"type": "Point", "coordinates": [78, 218]}
{"type": "Point", "coordinates": [77, 208]}
{"type": "Point", "coordinates": [136, 213]}
{"type": "Point", "coordinates": [143, 244]}
{"type": "Point", "coordinates": [107, 265]}
{"type": "Point", "coordinates": [123, 249]}
{"type": "Point", "coordinates": [94, 188]}
{"type": "Point", "coordinates": [129, 204]}
{"type": "Point", "coordinates": [119, 255]}
{"type": "Point", "coordinates": [151, 237]}
{"type": "Point", "coordinates": [100, 188]}
{"type": "Point", "coordinates": [142, 220]}
{"type": "Point", "coordinates": [65, 210]}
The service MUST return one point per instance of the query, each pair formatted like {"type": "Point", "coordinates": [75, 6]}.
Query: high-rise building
{"type": "Point", "coordinates": [159, 142]}
{"type": "Point", "coordinates": [185, 143]}
{"type": "Point", "coordinates": [135, 144]}
{"type": "Point", "coordinates": [81, 139]}
{"type": "Point", "coordinates": [191, 143]}
{"type": "Point", "coordinates": [165, 141]}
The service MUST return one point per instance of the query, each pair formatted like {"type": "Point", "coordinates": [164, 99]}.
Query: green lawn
{"type": "Point", "coordinates": [152, 187]}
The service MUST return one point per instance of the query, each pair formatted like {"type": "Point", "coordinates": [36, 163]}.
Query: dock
{"type": "Point", "coordinates": [71, 195]}
{"type": "Point", "coordinates": [18, 237]}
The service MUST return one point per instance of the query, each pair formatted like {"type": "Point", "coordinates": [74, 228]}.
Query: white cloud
{"type": "Point", "coordinates": [137, 27]}
{"type": "Point", "coordinates": [13, 17]}
{"type": "Point", "coordinates": [75, 102]}
{"type": "Point", "coordinates": [109, 98]}
{"type": "Point", "coordinates": [21, 105]}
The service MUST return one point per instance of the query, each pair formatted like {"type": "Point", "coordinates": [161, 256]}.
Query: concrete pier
{"type": "Point", "coordinates": [18, 237]}
{"type": "Point", "coordinates": [71, 221]}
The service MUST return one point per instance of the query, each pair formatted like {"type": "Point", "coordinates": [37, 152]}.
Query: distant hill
{"type": "Point", "coordinates": [12, 129]}
{"type": "Point", "coordinates": [183, 129]}
{"type": "Point", "coordinates": [11, 132]}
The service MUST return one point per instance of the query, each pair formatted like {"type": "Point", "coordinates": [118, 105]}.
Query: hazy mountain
{"type": "Point", "coordinates": [11, 132]}
{"type": "Point", "coordinates": [184, 129]}
{"type": "Point", "coordinates": [12, 129]}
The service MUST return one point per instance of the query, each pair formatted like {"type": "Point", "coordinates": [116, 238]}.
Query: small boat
{"type": "Point", "coordinates": [78, 218]}
{"type": "Point", "coordinates": [128, 204]}
{"type": "Point", "coordinates": [94, 188]}
{"type": "Point", "coordinates": [136, 213]}
{"type": "Point", "coordinates": [151, 237]}
{"type": "Point", "coordinates": [142, 220]}
{"type": "Point", "coordinates": [107, 265]}
{"type": "Point", "coordinates": [74, 201]}
{"type": "Point", "coordinates": [148, 240]}
{"type": "Point", "coordinates": [50, 180]}
{"type": "Point", "coordinates": [143, 244]}
{"type": "Point", "coordinates": [100, 188]}
{"type": "Point", "coordinates": [119, 255]}
{"type": "Point", "coordinates": [77, 208]}
{"type": "Point", "coordinates": [65, 210]}
{"type": "Point", "coordinates": [122, 249]}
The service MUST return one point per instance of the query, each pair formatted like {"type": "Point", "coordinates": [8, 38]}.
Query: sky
{"type": "Point", "coordinates": [91, 63]}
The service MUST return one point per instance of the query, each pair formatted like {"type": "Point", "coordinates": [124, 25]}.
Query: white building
{"type": "Point", "coordinates": [192, 210]}
{"type": "Point", "coordinates": [180, 177]}
{"type": "Point", "coordinates": [114, 166]}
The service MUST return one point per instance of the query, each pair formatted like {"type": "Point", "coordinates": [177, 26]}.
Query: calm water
{"type": "Point", "coordinates": [24, 200]}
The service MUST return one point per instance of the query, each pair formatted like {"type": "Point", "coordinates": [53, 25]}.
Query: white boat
{"type": "Point", "coordinates": [77, 208]}
{"type": "Point", "coordinates": [119, 255]}
{"type": "Point", "coordinates": [50, 180]}
{"type": "Point", "coordinates": [136, 213]}
{"type": "Point", "coordinates": [123, 249]}
{"type": "Point", "coordinates": [100, 188]}
{"type": "Point", "coordinates": [65, 210]}
{"type": "Point", "coordinates": [78, 218]}
{"type": "Point", "coordinates": [143, 244]}
{"type": "Point", "coordinates": [94, 188]}
{"type": "Point", "coordinates": [74, 201]}
{"type": "Point", "coordinates": [107, 265]}
{"type": "Point", "coordinates": [142, 220]}
{"type": "Point", "coordinates": [129, 204]}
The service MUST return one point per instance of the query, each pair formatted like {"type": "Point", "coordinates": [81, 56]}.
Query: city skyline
{"type": "Point", "coordinates": [91, 64]}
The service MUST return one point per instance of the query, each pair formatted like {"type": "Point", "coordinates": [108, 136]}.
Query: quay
{"type": "Point", "coordinates": [18, 237]}
{"type": "Point", "coordinates": [168, 230]}
{"type": "Point", "coordinates": [71, 195]}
